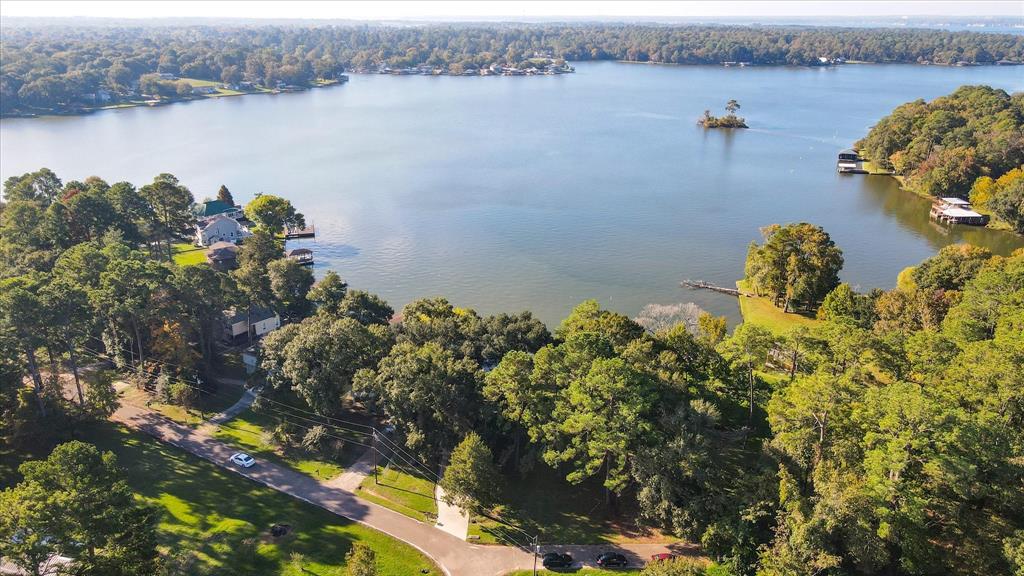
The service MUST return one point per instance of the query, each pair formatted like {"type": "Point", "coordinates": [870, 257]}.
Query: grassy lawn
{"type": "Point", "coordinates": [249, 431]}
{"type": "Point", "coordinates": [544, 503]}
{"type": "Point", "coordinates": [223, 520]}
{"type": "Point", "coordinates": [761, 311]}
{"type": "Point", "coordinates": [186, 254]}
{"type": "Point", "coordinates": [406, 493]}
{"type": "Point", "coordinates": [209, 404]}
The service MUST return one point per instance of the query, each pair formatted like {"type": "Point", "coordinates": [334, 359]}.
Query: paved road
{"type": "Point", "coordinates": [456, 557]}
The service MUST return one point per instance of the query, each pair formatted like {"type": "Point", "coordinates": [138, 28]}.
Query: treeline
{"type": "Point", "coordinates": [969, 144]}
{"type": "Point", "coordinates": [62, 67]}
{"type": "Point", "coordinates": [885, 440]}
{"type": "Point", "coordinates": [867, 445]}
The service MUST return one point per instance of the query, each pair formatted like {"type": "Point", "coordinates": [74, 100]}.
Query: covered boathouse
{"type": "Point", "coordinates": [956, 211]}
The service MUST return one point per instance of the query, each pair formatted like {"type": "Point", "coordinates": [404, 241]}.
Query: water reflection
{"type": "Point", "coordinates": [911, 212]}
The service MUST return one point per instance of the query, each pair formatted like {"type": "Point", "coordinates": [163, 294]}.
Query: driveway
{"type": "Point", "coordinates": [455, 556]}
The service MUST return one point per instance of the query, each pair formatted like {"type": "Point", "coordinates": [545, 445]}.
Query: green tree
{"type": "Point", "coordinates": [328, 293]}
{"type": "Point", "coordinates": [431, 395]}
{"type": "Point", "coordinates": [361, 560]}
{"type": "Point", "coordinates": [365, 308]}
{"type": "Point", "coordinates": [797, 263]}
{"type": "Point", "coordinates": [951, 268]}
{"type": "Point", "coordinates": [224, 195]}
{"type": "Point", "coordinates": [77, 503]}
{"type": "Point", "coordinates": [320, 358]}
{"type": "Point", "coordinates": [273, 213]}
{"type": "Point", "coordinates": [471, 480]}
{"type": "Point", "coordinates": [601, 417]}
{"type": "Point", "coordinates": [732, 106]}
{"type": "Point", "coordinates": [290, 282]}
{"type": "Point", "coordinates": [171, 203]}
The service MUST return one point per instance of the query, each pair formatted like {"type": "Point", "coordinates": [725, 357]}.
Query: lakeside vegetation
{"type": "Point", "coordinates": [54, 69]}
{"type": "Point", "coordinates": [968, 144]}
{"type": "Point", "coordinates": [863, 443]}
{"type": "Point", "coordinates": [730, 120]}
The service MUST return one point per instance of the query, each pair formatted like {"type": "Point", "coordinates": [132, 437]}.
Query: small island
{"type": "Point", "coordinates": [730, 120]}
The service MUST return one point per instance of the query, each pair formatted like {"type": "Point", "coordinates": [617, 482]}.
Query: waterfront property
{"type": "Point", "coordinates": [211, 208]}
{"type": "Point", "coordinates": [849, 162]}
{"type": "Point", "coordinates": [505, 194]}
{"type": "Point", "coordinates": [222, 256]}
{"type": "Point", "coordinates": [303, 256]}
{"type": "Point", "coordinates": [220, 228]}
{"type": "Point", "coordinates": [956, 211]}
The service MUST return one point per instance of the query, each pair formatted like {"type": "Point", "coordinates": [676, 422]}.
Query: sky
{"type": "Point", "coordinates": [508, 10]}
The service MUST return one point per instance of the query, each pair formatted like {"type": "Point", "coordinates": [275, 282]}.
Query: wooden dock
{"type": "Point", "coordinates": [292, 233]}
{"type": "Point", "coordinates": [702, 285]}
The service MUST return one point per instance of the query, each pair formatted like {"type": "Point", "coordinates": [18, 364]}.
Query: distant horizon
{"type": "Point", "coordinates": [515, 11]}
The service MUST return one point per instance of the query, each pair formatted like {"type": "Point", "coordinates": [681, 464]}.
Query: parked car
{"type": "Point", "coordinates": [556, 560]}
{"type": "Point", "coordinates": [662, 556]}
{"type": "Point", "coordinates": [610, 559]}
{"type": "Point", "coordinates": [244, 460]}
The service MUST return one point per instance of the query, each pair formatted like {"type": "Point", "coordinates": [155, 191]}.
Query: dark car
{"type": "Point", "coordinates": [556, 560]}
{"type": "Point", "coordinates": [609, 559]}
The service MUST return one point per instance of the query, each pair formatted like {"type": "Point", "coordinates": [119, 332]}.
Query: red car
{"type": "Point", "coordinates": [662, 556]}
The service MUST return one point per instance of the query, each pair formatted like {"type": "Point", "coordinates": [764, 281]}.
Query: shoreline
{"type": "Point", "coordinates": [992, 224]}
{"type": "Point", "coordinates": [85, 110]}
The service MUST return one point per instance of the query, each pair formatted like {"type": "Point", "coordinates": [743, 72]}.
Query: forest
{"type": "Point", "coordinates": [60, 68]}
{"type": "Point", "coordinates": [968, 144]}
{"type": "Point", "coordinates": [884, 440]}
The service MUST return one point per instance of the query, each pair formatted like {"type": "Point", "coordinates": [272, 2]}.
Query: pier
{"type": "Point", "coordinates": [292, 233]}
{"type": "Point", "coordinates": [702, 285]}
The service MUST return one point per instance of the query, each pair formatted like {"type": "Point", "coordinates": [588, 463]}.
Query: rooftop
{"type": "Point", "coordinates": [212, 208]}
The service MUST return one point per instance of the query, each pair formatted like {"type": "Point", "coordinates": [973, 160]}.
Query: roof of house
{"type": "Point", "coordinates": [222, 251]}
{"type": "Point", "coordinates": [298, 252]}
{"type": "Point", "coordinates": [212, 208]}
{"type": "Point", "coordinates": [218, 218]}
{"type": "Point", "coordinates": [961, 213]}
{"type": "Point", "coordinates": [956, 201]}
{"type": "Point", "coordinates": [848, 151]}
{"type": "Point", "coordinates": [258, 315]}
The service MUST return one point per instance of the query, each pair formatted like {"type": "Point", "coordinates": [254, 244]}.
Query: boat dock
{"type": "Point", "coordinates": [292, 233]}
{"type": "Point", "coordinates": [702, 285]}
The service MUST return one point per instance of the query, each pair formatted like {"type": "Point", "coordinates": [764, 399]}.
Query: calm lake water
{"type": "Point", "coordinates": [510, 193]}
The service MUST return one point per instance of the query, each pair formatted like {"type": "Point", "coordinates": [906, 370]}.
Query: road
{"type": "Point", "coordinates": [456, 557]}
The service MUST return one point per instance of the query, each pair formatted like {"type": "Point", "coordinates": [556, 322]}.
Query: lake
{"type": "Point", "coordinates": [504, 194]}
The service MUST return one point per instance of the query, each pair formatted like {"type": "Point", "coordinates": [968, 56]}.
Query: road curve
{"type": "Point", "coordinates": [454, 556]}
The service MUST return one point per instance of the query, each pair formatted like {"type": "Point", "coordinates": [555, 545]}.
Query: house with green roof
{"type": "Point", "coordinates": [211, 208]}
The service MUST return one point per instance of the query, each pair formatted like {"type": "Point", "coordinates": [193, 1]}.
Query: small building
{"type": "Point", "coordinates": [204, 90]}
{"type": "Point", "coordinates": [956, 211]}
{"type": "Point", "coordinates": [211, 208]}
{"type": "Point", "coordinates": [220, 228]}
{"type": "Point", "coordinates": [849, 162]}
{"type": "Point", "coordinates": [167, 76]}
{"type": "Point", "coordinates": [303, 256]}
{"type": "Point", "coordinates": [241, 325]}
{"type": "Point", "coordinates": [222, 256]}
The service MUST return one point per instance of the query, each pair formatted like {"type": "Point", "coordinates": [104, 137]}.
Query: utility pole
{"type": "Point", "coordinates": [373, 446]}
{"type": "Point", "coordinates": [536, 551]}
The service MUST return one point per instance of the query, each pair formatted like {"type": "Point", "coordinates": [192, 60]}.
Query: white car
{"type": "Point", "coordinates": [244, 460]}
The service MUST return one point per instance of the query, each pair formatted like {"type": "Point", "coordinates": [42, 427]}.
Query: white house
{"type": "Point", "coordinates": [238, 325]}
{"type": "Point", "coordinates": [220, 228]}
